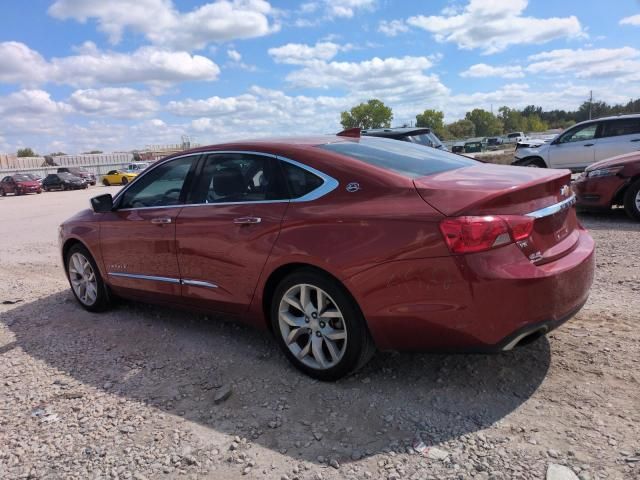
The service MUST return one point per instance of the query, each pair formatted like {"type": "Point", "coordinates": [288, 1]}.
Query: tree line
{"type": "Point", "coordinates": [482, 123]}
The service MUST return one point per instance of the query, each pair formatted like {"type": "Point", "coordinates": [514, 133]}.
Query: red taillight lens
{"type": "Point", "coordinates": [476, 234]}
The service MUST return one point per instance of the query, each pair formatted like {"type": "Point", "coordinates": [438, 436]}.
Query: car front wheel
{"type": "Point", "coordinates": [124, 180]}
{"type": "Point", "coordinates": [319, 327]}
{"type": "Point", "coordinates": [632, 200]}
{"type": "Point", "coordinates": [85, 280]}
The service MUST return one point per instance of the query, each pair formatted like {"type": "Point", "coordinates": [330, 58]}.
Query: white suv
{"type": "Point", "coordinates": [584, 144]}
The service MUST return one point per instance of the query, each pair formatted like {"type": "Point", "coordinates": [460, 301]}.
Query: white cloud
{"type": "Point", "coordinates": [392, 28]}
{"type": "Point", "coordinates": [31, 111]}
{"type": "Point", "coordinates": [163, 24]}
{"type": "Point", "coordinates": [347, 8]}
{"type": "Point", "coordinates": [114, 102]}
{"type": "Point", "coordinates": [234, 55]}
{"type": "Point", "coordinates": [495, 25]}
{"type": "Point", "coordinates": [90, 66]}
{"type": "Point", "coordinates": [481, 70]}
{"type": "Point", "coordinates": [301, 54]}
{"type": "Point", "coordinates": [621, 64]}
{"type": "Point", "coordinates": [632, 20]}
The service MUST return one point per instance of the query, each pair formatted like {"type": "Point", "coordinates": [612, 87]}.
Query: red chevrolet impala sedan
{"type": "Point", "coordinates": [340, 246]}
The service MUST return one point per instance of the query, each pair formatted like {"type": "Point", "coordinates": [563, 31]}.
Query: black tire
{"type": "Point", "coordinates": [632, 200]}
{"type": "Point", "coordinates": [534, 163]}
{"type": "Point", "coordinates": [2, 192]}
{"type": "Point", "coordinates": [124, 180]}
{"type": "Point", "coordinates": [105, 182]}
{"type": "Point", "coordinates": [359, 344]}
{"type": "Point", "coordinates": [103, 297]}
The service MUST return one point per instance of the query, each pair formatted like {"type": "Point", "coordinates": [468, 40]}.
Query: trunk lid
{"type": "Point", "coordinates": [489, 189]}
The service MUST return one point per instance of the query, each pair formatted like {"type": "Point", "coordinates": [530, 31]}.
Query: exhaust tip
{"type": "Point", "coordinates": [525, 339]}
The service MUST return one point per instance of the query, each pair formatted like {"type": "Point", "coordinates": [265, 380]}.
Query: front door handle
{"type": "Point", "coordinates": [247, 220]}
{"type": "Point", "coordinates": [588, 144]}
{"type": "Point", "coordinates": [636, 140]}
{"type": "Point", "coordinates": [161, 220]}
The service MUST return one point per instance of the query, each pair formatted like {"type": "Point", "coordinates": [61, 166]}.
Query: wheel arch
{"type": "Point", "coordinates": [278, 274]}
{"type": "Point", "coordinates": [69, 243]}
{"type": "Point", "coordinates": [618, 198]}
{"type": "Point", "coordinates": [525, 160]}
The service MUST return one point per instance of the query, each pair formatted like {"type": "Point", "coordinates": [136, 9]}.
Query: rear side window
{"type": "Point", "coordinates": [405, 158]}
{"type": "Point", "coordinates": [300, 181]}
{"type": "Point", "coordinates": [625, 126]}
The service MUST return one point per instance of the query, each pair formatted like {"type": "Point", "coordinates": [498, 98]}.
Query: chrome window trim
{"type": "Point", "coordinates": [553, 209]}
{"type": "Point", "coordinates": [199, 283]}
{"type": "Point", "coordinates": [329, 183]}
{"type": "Point", "coordinates": [144, 277]}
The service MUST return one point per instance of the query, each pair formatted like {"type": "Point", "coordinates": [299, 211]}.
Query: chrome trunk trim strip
{"type": "Point", "coordinates": [553, 209]}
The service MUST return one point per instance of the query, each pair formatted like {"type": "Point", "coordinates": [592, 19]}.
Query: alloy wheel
{"type": "Point", "coordinates": [638, 201]}
{"type": "Point", "coordinates": [83, 279]}
{"type": "Point", "coordinates": [312, 326]}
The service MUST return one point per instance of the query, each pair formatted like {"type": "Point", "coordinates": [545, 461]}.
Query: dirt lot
{"type": "Point", "coordinates": [130, 393]}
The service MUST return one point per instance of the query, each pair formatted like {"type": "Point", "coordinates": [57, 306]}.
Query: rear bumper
{"type": "Point", "coordinates": [478, 302]}
{"type": "Point", "coordinates": [596, 192]}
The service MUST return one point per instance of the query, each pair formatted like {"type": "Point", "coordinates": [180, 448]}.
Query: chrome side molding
{"type": "Point", "coordinates": [154, 278]}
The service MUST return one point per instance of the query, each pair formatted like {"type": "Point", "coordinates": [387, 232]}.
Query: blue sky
{"type": "Point", "coordinates": [122, 74]}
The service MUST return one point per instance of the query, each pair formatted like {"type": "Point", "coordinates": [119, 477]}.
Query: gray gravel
{"type": "Point", "coordinates": [147, 393]}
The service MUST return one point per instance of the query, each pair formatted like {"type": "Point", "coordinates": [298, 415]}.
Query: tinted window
{"type": "Point", "coordinates": [300, 181]}
{"type": "Point", "coordinates": [587, 132]}
{"type": "Point", "coordinates": [161, 187]}
{"type": "Point", "coordinates": [238, 177]}
{"type": "Point", "coordinates": [402, 157]}
{"type": "Point", "coordinates": [626, 126]}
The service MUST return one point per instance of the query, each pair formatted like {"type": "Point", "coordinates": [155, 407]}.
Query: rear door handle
{"type": "Point", "coordinates": [636, 140]}
{"type": "Point", "coordinates": [161, 220]}
{"type": "Point", "coordinates": [588, 144]}
{"type": "Point", "coordinates": [247, 220]}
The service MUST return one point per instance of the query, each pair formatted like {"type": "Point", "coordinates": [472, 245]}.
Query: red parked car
{"type": "Point", "coordinates": [341, 245]}
{"type": "Point", "coordinates": [615, 181]}
{"type": "Point", "coordinates": [19, 184]}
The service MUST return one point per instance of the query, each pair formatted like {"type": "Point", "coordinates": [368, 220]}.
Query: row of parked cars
{"type": "Point", "coordinates": [66, 178]}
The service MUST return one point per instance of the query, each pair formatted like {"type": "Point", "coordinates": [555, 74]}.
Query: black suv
{"type": "Point", "coordinates": [422, 136]}
{"type": "Point", "coordinates": [85, 175]}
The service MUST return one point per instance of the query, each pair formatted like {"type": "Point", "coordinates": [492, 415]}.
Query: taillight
{"type": "Point", "coordinates": [476, 234]}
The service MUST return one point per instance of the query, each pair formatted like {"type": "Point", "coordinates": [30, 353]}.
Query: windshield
{"type": "Point", "coordinates": [66, 175]}
{"type": "Point", "coordinates": [21, 178]}
{"type": "Point", "coordinates": [409, 159]}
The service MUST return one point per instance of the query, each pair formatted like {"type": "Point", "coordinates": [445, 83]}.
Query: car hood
{"type": "Point", "coordinates": [528, 151]}
{"type": "Point", "coordinates": [615, 161]}
{"type": "Point", "coordinates": [30, 183]}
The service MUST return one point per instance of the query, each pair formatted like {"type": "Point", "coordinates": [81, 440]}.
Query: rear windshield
{"type": "Point", "coordinates": [409, 159]}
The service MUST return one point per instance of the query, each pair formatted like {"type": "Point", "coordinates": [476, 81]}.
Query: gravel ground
{"type": "Point", "coordinates": [143, 392]}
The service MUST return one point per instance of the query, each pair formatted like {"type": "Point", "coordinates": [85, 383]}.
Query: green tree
{"type": "Point", "coordinates": [92, 152]}
{"type": "Point", "coordinates": [486, 123]}
{"type": "Point", "coordinates": [433, 119]}
{"type": "Point", "coordinates": [512, 120]}
{"type": "Point", "coordinates": [26, 152]}
{"type": "Point", "coordinates": [373, 114]}
{"type": "Point", "coordinates": [535, 124]}
{"type": "Point", "coordinates": [57, 154]}
{"type": "Point", "coordinates": [461, 129]}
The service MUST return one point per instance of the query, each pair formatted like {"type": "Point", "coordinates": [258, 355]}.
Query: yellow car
{"type": "Point", "coordinates": [118, 177]}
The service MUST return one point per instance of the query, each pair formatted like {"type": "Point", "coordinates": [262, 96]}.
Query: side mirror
{"type": "Point", "coordinates": [102, 203]}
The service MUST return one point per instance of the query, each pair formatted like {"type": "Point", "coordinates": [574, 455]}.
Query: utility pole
{"type": "Point", "coordinates": [590, 102]}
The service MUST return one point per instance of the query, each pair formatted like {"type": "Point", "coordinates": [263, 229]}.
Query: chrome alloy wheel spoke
{"type": "Point", "coordinates": [83, 279]}
{"type": "Point", "coordinates": [312, 326]}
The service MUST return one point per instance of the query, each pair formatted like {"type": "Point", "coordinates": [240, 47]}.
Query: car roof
{"type": "Point", "coordinates": [611, 117]}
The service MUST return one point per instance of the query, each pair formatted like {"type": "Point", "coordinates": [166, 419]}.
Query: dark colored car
{"type": "Point", "coordinates": [615, 181]}
{"type": "Point", "coordinates": [19, 184]}
{"type": "Point", "coordinates": [87, 176]}
{"type": "Point", "coordinates": [63, 181]}
{"type": "Point", "coordinates": [421, 136]}
{"type": "Point", "coordinates": [341, 245]}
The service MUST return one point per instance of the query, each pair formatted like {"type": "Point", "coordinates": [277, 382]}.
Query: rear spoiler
{"type": "Point", "coordinates": [350, 132]}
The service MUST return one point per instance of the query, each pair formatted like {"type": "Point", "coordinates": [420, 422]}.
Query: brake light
{"type": "Point", "coordinates": [471, 234]}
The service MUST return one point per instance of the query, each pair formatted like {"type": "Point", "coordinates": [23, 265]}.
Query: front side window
{"type": "Point", "coordinates": [239, 178]}
{"type": "Point", "coordinates": [617, 128]}
{"type": "Point", "coordinates": [588, 132]}
{"type": "Point", "coordinates": [161, 187]}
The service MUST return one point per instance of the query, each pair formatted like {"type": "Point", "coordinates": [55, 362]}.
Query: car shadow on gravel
{"type": "Point", "coordinates": [178, 362]}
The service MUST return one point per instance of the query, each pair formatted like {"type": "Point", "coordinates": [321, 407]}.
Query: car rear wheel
{"type": "Point", "coordinates": [632, 200]}
{"type": "Point", "coordinates": [319, 327]}
{"type": "Point", "coordinates": [534, 163]}
{"type": "Point", "coordinates": [85, 280]}
{"type": "Point", "coordinates": [124, 180]}
{"type": "Point", "coordinates": [105, 182]}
